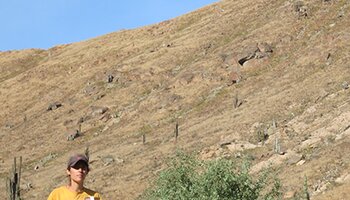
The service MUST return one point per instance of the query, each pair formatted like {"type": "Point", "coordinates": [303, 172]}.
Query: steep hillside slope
{"type": "Point", "coordinates": [289, 60]}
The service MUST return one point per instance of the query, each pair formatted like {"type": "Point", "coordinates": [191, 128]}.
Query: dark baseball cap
{"type": "Point", "coordinates": [76, 158]}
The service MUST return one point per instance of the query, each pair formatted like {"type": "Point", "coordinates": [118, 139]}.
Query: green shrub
{"type": "Point", "coordinates": [188, 178]}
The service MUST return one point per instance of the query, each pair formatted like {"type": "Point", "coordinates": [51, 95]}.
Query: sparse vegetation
{"type": "Point", "coordinates": [304, 193]}
{"type": "Point", "coordinates": [188, 178]}
{"type": "Point", "coordinates": [145, 129]}
{"type": "Point", "coordinates": [13, 181]}
{"type": "Point", "coordinates": [178, 71]}
{"type": "Point", "coordinates": [262, 135]}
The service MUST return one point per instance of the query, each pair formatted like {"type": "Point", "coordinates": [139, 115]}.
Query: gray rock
{"type": "Point", "coordinates": [45, 160]}
{"type": "Point", "coordinates": [98, 110]}
{"type": "Point", "coordinates": [107, 160]}
{"type": "Point", "coordinates": [294, 159]}
{"type": "Point", "coordinates": [80, 120]}
{"type": "Point", "coordinates": [257, 51]}
{"type": "Point", "coordinates": [73, 136]}
{"type": "Point", "coordinates": [301, 9]}
{"type": "Point", "coordinates": [345, 85]}
{"type": "Point", "coordinates": [100, 96]}
{"type": "Point", "coordinates": [28, 186]}
{"type": "Point", "coordinates": [9, 126]}
{"type": "Point", "coordinates": [110, 78]}
{"type": "Point", "coordinates": [264, 47]}
{"type": "Point", "coordinates": [67, 122]}
{"type": "Point", "coordinates": [54, 106]}
{"type": "Point", "coordinates": [297, 5]}
{"type": "Point", "coordinates": [90, 90]}
{"type": "Point", "coordinates": [248, 53]}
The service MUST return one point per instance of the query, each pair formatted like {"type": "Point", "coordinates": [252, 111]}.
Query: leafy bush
{"type": "Point", "coordinates": [188, 178]}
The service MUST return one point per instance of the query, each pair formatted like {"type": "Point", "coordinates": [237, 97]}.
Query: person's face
{"type": "Point", "coordinates": [78, 172]}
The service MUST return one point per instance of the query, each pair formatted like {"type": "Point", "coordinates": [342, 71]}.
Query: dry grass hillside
{"type": "Point", "coordinates": [292, 87]}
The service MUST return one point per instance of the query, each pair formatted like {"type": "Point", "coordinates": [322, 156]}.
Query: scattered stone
{"type": "Point", "coordinates": [258, 51]}
{"type": "Point", "coordinates": [345, 178]}
{"type": "Point", "coordinates": [227, 140]}
{"type": "Point", "coordinates": [174, 97]}
{"type": "Point", "coordinates": [167, 45]}
{"type": "Point", "coordinates": [289, 195]}
{"type": "Point", "coordinates": [249, 55]}
{"type": "Point", "coordinates": [238, 155]}
{"type": "Point", "coordinates": [235, 77]}
{"type": "Point", "coordinates": [100, 96]}
{"type": "Point", "coordinates": [9, 126]}
{"type": "Point", "coordinates": [320, 186]}
{"type": "Point", "coordinates": [270, 162]}
{"type": "Point", "coordinates": [90, 90]}
{"type": "Point", "coordinates": [186, 78]}
{"type": "Point", "coordinates": [293, 159]}
{"type": "Point", "coordinates": [209, 153]}
{"type": "Point", "coordinates": [301, 162]}
{"type": "Point", "coordinates": [28, 186]}
{"type": "Point", "coordinates": [98, 110]}
{"type": "Point", "coordinates": [301, 9]}
{"type": "Point", "coordinates": [264, 47]}
{"type": "Point", "coordinates": [118, 160]}
{"type": "Point", "coordinates": [345, 85]}
{"type": "Point", "coordinates": [107, 160]}
{"type": "Point", "coordinates": [73, 136]}
{"type": "Point", "coordinates": [329, 59]}
{"type": "Point", "coordinates": [105, 117]}
{"type": "Point", "coordinates": [286, 39]}
{"type": "Point", "coordinates": [341, 14]}
{"type": "Point", "coordinates": [54, 106]}
{"type": "Point", "coordinates": [262, 135]}
{"type": "Point", "coordinates": [259, 55]}
{"type": "Point", "coordinates": [225, 143]}
{"type": "Point", "coordinates": [297, 5]}
{"type": "Point", "coordinates": [80, 120]}
{"type": "Point", "coordinates": [274, 124]}
{"type": "Point", "coordinates": [237, 102]}
{"type": "Point", "coordinates": [240, 146]}
{"type": "Point", "coordinates": [67, 122]}
{"type": "Point", "coordinates": [45, 160]}
{"type": "Point", "coordinates": [110, 78]}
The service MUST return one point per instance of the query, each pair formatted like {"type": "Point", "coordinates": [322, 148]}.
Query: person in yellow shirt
{"type": "Point", "coordinates": [77, 169]}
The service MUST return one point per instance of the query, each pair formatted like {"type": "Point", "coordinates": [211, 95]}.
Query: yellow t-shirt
{"type": "Point", "coordinates": [63, 193]}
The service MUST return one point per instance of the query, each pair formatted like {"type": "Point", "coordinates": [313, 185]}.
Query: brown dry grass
{"type": "Point", "coordinates": [174, 71]}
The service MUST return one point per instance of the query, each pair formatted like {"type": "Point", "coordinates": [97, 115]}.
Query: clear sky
{"type": "Point", "coordinates": [47, 23]}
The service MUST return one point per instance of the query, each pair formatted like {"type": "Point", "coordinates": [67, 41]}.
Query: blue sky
{"type": "Point", "coordinates": [47, 23]}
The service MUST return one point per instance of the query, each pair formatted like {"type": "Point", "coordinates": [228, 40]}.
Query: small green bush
{"type": "Point", "coordinates": [188, 178]}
